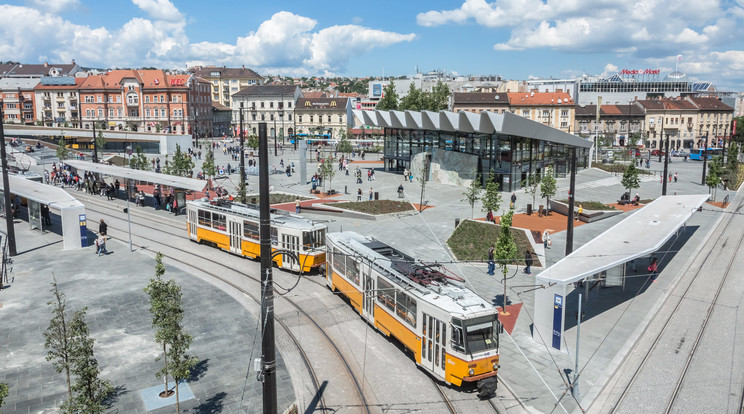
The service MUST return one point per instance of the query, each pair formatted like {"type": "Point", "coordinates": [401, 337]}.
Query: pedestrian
{"type": "Point", "coordinates": [297, 205]}
{"type": "Point", "coordinates": [359, 194]}
{"type": "Point", "coordinates": [527, 261]}
{"type": "Point", "coordinates": [101, 245]}
{"type": "Point", "coordinates": [491, 262]}
{"type": "Point", "coordinates": [102, 227]}
{"type": "Point", "coordinates": [400, 191]}
{"type": "Point", "coordinates": [45, 215]}
{"type": "Point", "coordinates": [370, 194]}
{"type": "Point", "coordinates": [676, 176]}
{"type": "Point", "coordinates": [513, 201]}
{"type": "Point", "coordinates": [670, 177]}
{"type": "Point", "coordinates": [546, 239]}
{"type": "Point", "coordinates": [652, 267]}
{"type": "Point", "coordinates": [580, 212]}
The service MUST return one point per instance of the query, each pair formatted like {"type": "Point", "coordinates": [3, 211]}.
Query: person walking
{"type": "Point", "coordinates": [653, 267]}
{"type": "Point", "coordinates": [359, 194]}
{"type": "Point", "coordinates": [546, 239]}
{"type": "Point", "coordinates": [527, 261]}
{"type": "Point", "coordinates": [513, 201]}
{"type": "Point", "coordinates": [491, 261]}
{"type": "Point", "coordinates": [370, 194]}
{"type": "Point", "coordinates": [101, 245]}
{"type": "Point", "coordinates": [102, 227]}
{"type": "Point", "coordinates": [297, 205]}
{"type": "Point", "coordinates": [400, 191]}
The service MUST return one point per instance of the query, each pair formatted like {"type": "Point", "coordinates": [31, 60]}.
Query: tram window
{"type": "Point", "coordinates": [313, 239]}
{"type": "Point", "coordinates": [205, 218]}
{"type": "Point", "coordinates": [352, 269]}
{"type": "Point", "coordinates": [457, 341]}
{"type": "Point", "coordinates": [218, 221]}
{"type": "Point", "coordinates": [274, 236]}
{"type": "Point", "coordinates": [338, 261]}
{"type": "Point", "coordinates": [481, 333]}
{"type": "Point", "coordinates": [386, 293]}
{"type": "Point", "coordinates": [444, 353]}
{"type": "Point", "coordinates": [250, 230]}
{"type": "Point", "coordinates": [405, 306]}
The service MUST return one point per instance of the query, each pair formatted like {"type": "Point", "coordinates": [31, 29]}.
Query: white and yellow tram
{"type": "Point", "coordinates": [234, 228]}
{"type": "Point", "coordinates": [451, 331]}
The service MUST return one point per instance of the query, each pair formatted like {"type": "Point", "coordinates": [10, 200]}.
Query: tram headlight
{"type": "Point", "coordinates": [495, 366]}
{"type": "Point", "coordinates": [471, 371]}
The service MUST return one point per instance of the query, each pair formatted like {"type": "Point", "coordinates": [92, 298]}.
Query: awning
{"type": "Point", "coordinates": [140, 175]}
{"type": "Point", "coordinates": [643, 233]}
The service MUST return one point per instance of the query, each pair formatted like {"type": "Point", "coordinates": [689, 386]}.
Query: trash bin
{"type": "Point", "coordinates": [457, 222]}
{"type": "Point", "coordinates": [346, 189]}
{"type": "Point", "coordinates": [529, 209]}
{"type": "Point", "coordinates": [377, 195]}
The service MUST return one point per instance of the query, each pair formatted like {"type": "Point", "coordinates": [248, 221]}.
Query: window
{"type": "Point", "coordinates": [299, 119]}
{"type": "Point", "coordinates": [340, 119]}
{"type": "Point", "coordinates": [329, 119]}
{"type": "Point", "coordinates": [564, 112]}
{"type": "Point", "coordinates": [218, 221]}
{"type": "Point", "coordinates": [162, 98]}
{"type": "Point", "coordinates": [132, 99]}
{"type": "Point", "coordinates": [134, 112]}
{"type": "Point", "coordinates": [385, 293]}
{"type": "Point", "coordinates": [525, 113]}
{"type": "Point", "coordinates": [352, 270]}
{"type": "Point", "coordinates": [147, 112]}
{"type": "Point", "coordinates": [205, 218]}
{"type": "Point", "coordinates": [546, 114]}
{"type": "Point", "coordinates": [338, 261]}
{"type": "Point", "coordinates": [10, 106]}
{"type": "Point", "coordinates": [88, 113]}
{"type": "Point", "coordinates": [29, 106]}
{"type": "Point", "coordinates": [111, 112]}
{"type": "Point", "coordinates": [311, 118]}
{"type": "Point", "coordinates": [88, 98]}
{"type": "Point", "coordinates": [313, 239]}
{"type": "Point", "coordinates": [271, 104]}
{"type": "Point", "coordinates": [98, 98]}
{"type": "Point", "coordinates": [262, 104]}
{"type": "Point", "coordinates": [250, 230]}
{"type": "Point", "coordinates": [147, 98]}
{"type": "Point", "coordinates": [29, 117]}
{"type": "Point", "coordinates": [405, 307]}
{"type": "Point", "coordinates": [118, 112]}
{"type": "Point", "coordinates": [100, 112]}
{"type": "Point", "coordinates": [109, 98]}
{"type": "Point", "coordinates": [60, 105]}
{"type": "Point", "coordinates": [271, 117]}
{"type": "Point", "coordinates": [290, 118]}
{"type": "Point", "coordinates": [289, 104]}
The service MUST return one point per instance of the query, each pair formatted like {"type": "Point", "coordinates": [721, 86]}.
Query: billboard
{"type": "Point", "coordinates": [377, 89]}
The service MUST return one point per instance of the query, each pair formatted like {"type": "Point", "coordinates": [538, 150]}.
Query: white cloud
{"type": "Point", "coordinates": [55, 6]}
{"type": "Point", "coordinates": [159, 9]}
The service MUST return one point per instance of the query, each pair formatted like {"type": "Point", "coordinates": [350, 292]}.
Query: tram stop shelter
{"type": "Point", "coordinates": [604, 255]}
{"type": "Point", "coordinates": [177, 183]}
{"type": "Point", "coordinates": [72, 211]}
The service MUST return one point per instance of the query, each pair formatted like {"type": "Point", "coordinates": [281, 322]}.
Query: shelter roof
{"type": "Point", "coordinates": [140, 175]}
{"type": "Point", "coordinates": [39, 192]}
{"type": "Point", "coordinates": [657, 222]}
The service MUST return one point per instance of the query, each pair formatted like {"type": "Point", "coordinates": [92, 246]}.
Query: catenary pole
{"type": "Point", "coordinates": [666, 167]}
{"type": "Point", "coordinates": [575, 383]}
{"type": "Point", "coordinates": [6, 191]}
{"type": "Point", "coordinates": [571, 202]}
{"type": "Point", "coordinates": [705, 158]}
{"type": "Point", "coordinates": [268, 357]}
{"type": "Point", "coordinates": [95, 143]}
{"type": "Point", "coordinates": [242, 158]}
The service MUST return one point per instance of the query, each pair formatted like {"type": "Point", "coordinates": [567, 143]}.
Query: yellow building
{"type": "Point", "coordinates": [227, 81]}
{"type": "Point", "coordinates": [555, 109]}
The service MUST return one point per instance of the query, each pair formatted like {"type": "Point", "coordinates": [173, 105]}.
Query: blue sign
{"type": "Point", "coordinates": [83, 230]}
{"type": "Point", "coordinates": [376, 89]}
{"type": "Point", "coordinates": [557, 321]}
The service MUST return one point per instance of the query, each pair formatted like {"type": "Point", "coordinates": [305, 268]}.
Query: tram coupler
{"type": "Point", "coordinates": [487, 387]}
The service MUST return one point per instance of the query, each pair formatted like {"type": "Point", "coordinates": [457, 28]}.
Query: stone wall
{"type": "Point", "coordinates": [455, 168]}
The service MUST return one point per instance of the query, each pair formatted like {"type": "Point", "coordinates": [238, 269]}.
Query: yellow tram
{"type": "Point", "coordinates": [452, 332]}
{"type": "Point", "coordinates": [234, 228]}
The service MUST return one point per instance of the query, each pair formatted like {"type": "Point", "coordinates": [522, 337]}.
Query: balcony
{"type": "Point", "coordinates": [47, 97]}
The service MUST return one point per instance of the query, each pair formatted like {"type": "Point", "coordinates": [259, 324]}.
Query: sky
{"type": "Point", "coordinates": [517, 39]}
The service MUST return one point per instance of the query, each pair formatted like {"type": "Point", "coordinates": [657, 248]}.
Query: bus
{"type": "Point", "coordinates": [697, 153]}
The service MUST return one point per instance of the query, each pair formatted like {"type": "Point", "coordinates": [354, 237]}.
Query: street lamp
{"type": "Point", "coordinates": [705, 157]}
{"type": "Point", "coordinates": [129, 221]}
{"type": "Point", "coordinates": [242, 157]}
{"type": "Point", "coordinates": [275, 144]}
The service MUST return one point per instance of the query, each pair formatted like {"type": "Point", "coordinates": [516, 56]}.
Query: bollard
{"type": "Point", "coordinates": [457, 222]}
{"type": "Point", "coordinates": [377, 195]}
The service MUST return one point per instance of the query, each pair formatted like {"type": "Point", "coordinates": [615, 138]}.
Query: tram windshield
{"type": "Point", "coordinates": [313, 240]}
{"type": "Point", "coordinates": [481, 333]}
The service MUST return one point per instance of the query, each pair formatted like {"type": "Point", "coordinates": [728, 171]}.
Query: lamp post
{"type": "Point", "coordinates": [129, 221]}
{"type": "Point", "coordinates": [242, 157]}
{"type": "Point", "coordinates": [275, 143]}
{"type": "Point", "coordinates": [705, 157]}
{"type": "Point", "coordinates": [6, 187]}
{"type": "Point", "coordinates": [95, 144]}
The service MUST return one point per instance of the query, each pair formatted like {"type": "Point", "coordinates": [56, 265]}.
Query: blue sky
{"type": "Point", "coordinates": [517, 39]}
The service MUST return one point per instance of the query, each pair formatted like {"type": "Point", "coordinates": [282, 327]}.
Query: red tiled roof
{"type": "Point", "coordinates": [539, 98]}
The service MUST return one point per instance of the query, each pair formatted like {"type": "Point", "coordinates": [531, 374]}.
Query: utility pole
{"type": "Point", "coordinates": [95, 143]}
{"type": "Point", "coordinates": [666, 168]}
{"type": "Point", "coordinates": [6, 190]}
{"type": "Point", "coordinates": [660, 141]}
{"type": "Point", "coordinates": [274, 115]}
{"type": "Point", "coordinates": [268, 356]}
{"type": "Point", "coordinates": [242, 158]}
{"type": "Point", "coordinates": [575, 383]}
{"type": "Point", "coordinates": [571, 203]}
{"type": "Point", "coordinates": [705, 157]}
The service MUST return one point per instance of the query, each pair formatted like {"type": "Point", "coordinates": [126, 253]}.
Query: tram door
{"type": "Point", "coordinates": [291, 243]}
{"type": "Point", "coordinates": [369, 294]}
{"type": "Point", "coordinates": [192, 223]}
{"type": "Point", "coordinates": [236, 237]}
{"type": "Point", "coordinates": [433, 340]}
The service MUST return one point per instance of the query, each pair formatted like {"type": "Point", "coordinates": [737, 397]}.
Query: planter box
{"type": "Point", "coordinates": [587, 216]}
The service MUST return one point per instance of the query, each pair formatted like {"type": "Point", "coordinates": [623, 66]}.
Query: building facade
{"type": "Point", "coordinates": [58, 102]}
{"type": "Point", "coordinates": [713, 122]}
{"type": "Point", "coordinates": [554, 109]}
{"type": "Point", "coordinates": [477, 102]}
{"type": "Point", "coordinates": [18, 100]}
{"type": "Point", "coordinates": [615, 124]}
{"type": "Point", "coordinates": [226, 81]}
{"type": "Point", "coordinates": [147, 100]}
{"type": "Point", "coordinates": [23, 70]}
{"type": "Point", "coordinates": [323, 117]}
{"type": "Point", "coordinates": [273, 104]}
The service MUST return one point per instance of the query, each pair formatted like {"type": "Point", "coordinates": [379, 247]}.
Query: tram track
{"type": "Point", "coordinates": [363, 403]}
{"type": "Point", "coordinates": [678, 385]}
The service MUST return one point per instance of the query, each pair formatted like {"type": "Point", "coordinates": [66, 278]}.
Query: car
{"type": "Point", "coordinates": [658, 152]}
{"type": "Point", "coordinates": [679, 153]}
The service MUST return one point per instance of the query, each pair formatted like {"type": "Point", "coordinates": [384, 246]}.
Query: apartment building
{"type": "Point", "coordinates": [273, 104]}
{"type": "Point", "coordinates": [147, 100]}
{"type": "Point", "coordinates": [18, 100]}
{"type": "Point", "coordinates": [329, 117]}
{"type": "Point", "coordinates": [57, 101]}
{"type": "Point", "coordinates": [24, 70]}
{"type": "Point", "coordinates": [226, 81]}
{"type": "Point", "coordinates": [675, 118]}
{"type": "Point", "coordinates": [616, 122]}
{"type": "Point", "coordinates": [713, 121]}
{"type": "Point", "coordinates": [478, 102]}
{"type": "Point", "coordinates": [555, 109]}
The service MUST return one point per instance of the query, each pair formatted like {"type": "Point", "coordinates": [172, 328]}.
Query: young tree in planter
{"type": "Point", "coordinates": [344, 146]}
{"type": "Point", "coordinates": [548, 188]}
{"type": "Point", "coordinates": [327, 171]}
{"type": "Point", "coordinates": [714, 176]}
{"type": "Point", "coordinates": [139, 161]}
{"type": "Point", "coordinates": [506, 248]}
{"type": "Point", "coordinates": [630, 178]}
{"type": "Point", "coordinates": [252, 142]}
{"type": "Point", "coordinates": [160, 308]}
{"type": "Point", "coordinates": [57, 340]}
{"type": "Point", "coordinates": [182, 164]}
{"type": "Point", "coordinates": [531, 184]}
{"type": "Point", "coordinates": [473, 192]}
{"type": "Point", "coordinates": [100, 140]}
{"type": "Point", "coordinates": [208, 167]}
{"type": "Point", "coordinates": [3, 393]}
{"type": "Point", "coordinates": [731, 170]}
{"type": "Point", "coordinates": [90, 390]}
{"type": "Point", "coordinates": [491, 200]}
{"type": "Point", "coordinates": [62, 151]}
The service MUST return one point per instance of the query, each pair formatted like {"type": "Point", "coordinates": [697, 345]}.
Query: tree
{"type": "Point", "coordinates": [182, 164]}
{"type": "Point", "coordinates": [327, 171]}
{"type": "Point", "coordinates": [739, 135]}
{"type": "Point", "coordinates": [731, 170]}
{"type": "Point", "coordinates": [630, 178]}
{"type": "Point", "coordinates": [506, 249]}
{"type": "Point", "coordinates": [167, 318]}
{"type": "Point", "coordinates": [491, 200]}
{"type": "Point", "coordinates": [3, 393]}
{"type": "Point", "coordinates": [139, 161]}
{"type": "Point", "coordinates": [531, 184]}
{"type": "Point", "coordinates": [57, 339]}
{"type": "Point", "coordinates": [389, 101]}
{"type": "Point", "coordinates": [90, 390]}
{"type": "Point", "coordinates": [100, 140]}
{"type": "Point", "coordinates": [439, 97]}
{"type": "Point", "coordinates": [252, 142]}
{"type": "Point", "coordinates": [208, 167]}
{"type": "Point", "coordinates": [473, 192]}
{"type": "Point", "coordinates": [548, 188]}
{"type": "Point", "coordinates": [714, 175]}
{"type": "Point", "coordinates": [62, 151]}
{"type": "Point", "coordinates": [414, 100]}
{"type": "Point", "coordinates": [344, 146]}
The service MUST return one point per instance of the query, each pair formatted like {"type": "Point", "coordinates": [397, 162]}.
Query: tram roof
{"type": "Point", "coordinates": [252, 211]}
{"type": "Point", "coordinates": [42, 193]}
{"type": "Point", "coordinates": [468, 122]}
{"type": "Point", "coordinates": [644, 232]}
{"type": "Point", "coordinates": [140, 175]}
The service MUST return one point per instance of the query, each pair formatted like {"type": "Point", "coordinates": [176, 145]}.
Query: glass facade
{"type": "Point", "coordinates": [510, 158]}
